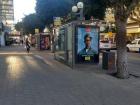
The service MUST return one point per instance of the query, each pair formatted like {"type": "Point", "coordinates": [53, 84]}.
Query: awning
{"type": "Point", "coordinates": [133, 30]}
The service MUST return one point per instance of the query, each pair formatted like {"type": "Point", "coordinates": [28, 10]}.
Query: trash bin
{"type": "Point", "coordinates": [108, 61]}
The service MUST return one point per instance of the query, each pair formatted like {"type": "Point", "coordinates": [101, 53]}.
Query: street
{"type": "Point", "coordinates": [27, 80]}
{"type": "Point", "coordinates": [134, 63]}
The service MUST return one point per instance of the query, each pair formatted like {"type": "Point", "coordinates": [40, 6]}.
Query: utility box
{"type": "Point", "coordinates": [108, 61]}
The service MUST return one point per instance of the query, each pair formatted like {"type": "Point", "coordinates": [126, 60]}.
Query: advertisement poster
{"type": "Point", "coordinates": [88, 44]}
{"type": "Point", "coordinates": [45, 42]}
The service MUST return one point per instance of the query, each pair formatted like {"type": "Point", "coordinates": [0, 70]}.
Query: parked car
{"type": "Point", "coordinates": [107, 45]}
{"type": "Point", "coordinates": [134, 45]}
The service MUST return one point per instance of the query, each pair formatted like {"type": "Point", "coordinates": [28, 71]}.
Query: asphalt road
{"type": "Point", "coordinates": [134, 63]}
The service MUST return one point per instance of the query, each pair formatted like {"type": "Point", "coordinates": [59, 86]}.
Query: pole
{"type": "Point", "coordinates": [81, 13]}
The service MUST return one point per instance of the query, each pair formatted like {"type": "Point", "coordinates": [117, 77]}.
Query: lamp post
{"type": "Point", "coordinates": [79, 9]}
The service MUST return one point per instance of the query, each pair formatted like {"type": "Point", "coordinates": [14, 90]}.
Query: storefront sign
{"type": "Point", "coordinates": [57, 21]}
{"type": "Point", "coordinates": [36, 31]}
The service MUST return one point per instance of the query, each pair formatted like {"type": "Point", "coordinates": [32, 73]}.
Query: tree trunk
{"type": "Point", "coordinates": [122, 71]}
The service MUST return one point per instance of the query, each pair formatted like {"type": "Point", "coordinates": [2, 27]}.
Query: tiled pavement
{"type": "Point", "coordinates": [26, 80]}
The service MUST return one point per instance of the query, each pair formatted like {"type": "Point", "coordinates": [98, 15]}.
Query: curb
{"type": "Point", "coordinates": [41, 58]}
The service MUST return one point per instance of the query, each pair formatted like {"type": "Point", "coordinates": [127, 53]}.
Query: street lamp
{"type": "Point", "coordinates": [80, 8]}
{"type": "Point", "coordinates": [80, 5]}
{"type": "Point", "coordinates": [74, 9]}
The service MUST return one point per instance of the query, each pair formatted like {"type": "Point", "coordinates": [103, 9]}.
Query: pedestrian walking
{"type": "Point", "coordinates": [28, 46]}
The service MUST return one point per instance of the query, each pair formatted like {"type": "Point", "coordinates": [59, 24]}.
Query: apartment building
{"type": "Point", "coordinates": [6, 19]}
{"type": "Point", "coordinates": [7, 12]}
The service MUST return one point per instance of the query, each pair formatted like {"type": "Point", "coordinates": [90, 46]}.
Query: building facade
{"type": "Point", "coordinates": [133, 23]}
{"type": "Point", "coordinates": [7, 12]}
{"type": "Point", "coordinates": [6, 19]}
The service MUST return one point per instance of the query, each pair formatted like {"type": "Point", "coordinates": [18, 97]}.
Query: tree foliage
{"type": "Point", "coordinates": [31, 22]}
{"type": "Point", "coordinates": [47, 9]}
{"type": "Point", "coordinates": [95, 8]}
{"type": "Point", "coordinates": [19, 26]}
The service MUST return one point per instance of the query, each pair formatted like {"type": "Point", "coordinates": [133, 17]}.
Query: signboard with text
{"type": "Point", "coordinates": [57, 21]}
{"type": "Point", "coordinates": [36, 31]}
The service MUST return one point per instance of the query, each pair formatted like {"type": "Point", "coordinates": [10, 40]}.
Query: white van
{"type": "Point", "coordinates": [134, 45]}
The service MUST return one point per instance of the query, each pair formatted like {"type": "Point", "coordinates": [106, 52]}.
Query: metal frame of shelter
{"type": "Point", "coordinates": [65, 42]}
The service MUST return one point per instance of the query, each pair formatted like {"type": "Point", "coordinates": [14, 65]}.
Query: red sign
{"type": "Point", "coordinates": [88, 29]}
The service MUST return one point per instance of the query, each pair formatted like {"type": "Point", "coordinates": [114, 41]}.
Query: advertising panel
{"type": "Point", "coordinates": [45, 42]}
{"type": "Point", "coordinates": [87, 49]}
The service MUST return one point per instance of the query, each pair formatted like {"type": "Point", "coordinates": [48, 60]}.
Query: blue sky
{"type": "Point", "coordinates": [23, 7]}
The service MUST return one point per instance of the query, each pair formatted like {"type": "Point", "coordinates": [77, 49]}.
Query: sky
{"type": "Point", "coordinates": [22, 8]}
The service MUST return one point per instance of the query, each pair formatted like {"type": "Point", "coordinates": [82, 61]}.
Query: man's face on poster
{"type": "Point", "coordinates": [88, 42]}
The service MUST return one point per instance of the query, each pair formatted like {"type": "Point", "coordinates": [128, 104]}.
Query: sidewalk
{"type": "Point", "coordinates": [49, 59]}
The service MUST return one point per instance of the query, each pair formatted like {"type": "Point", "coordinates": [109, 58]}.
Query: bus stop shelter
{"type": "Point", "coordinates": [78, 43]}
